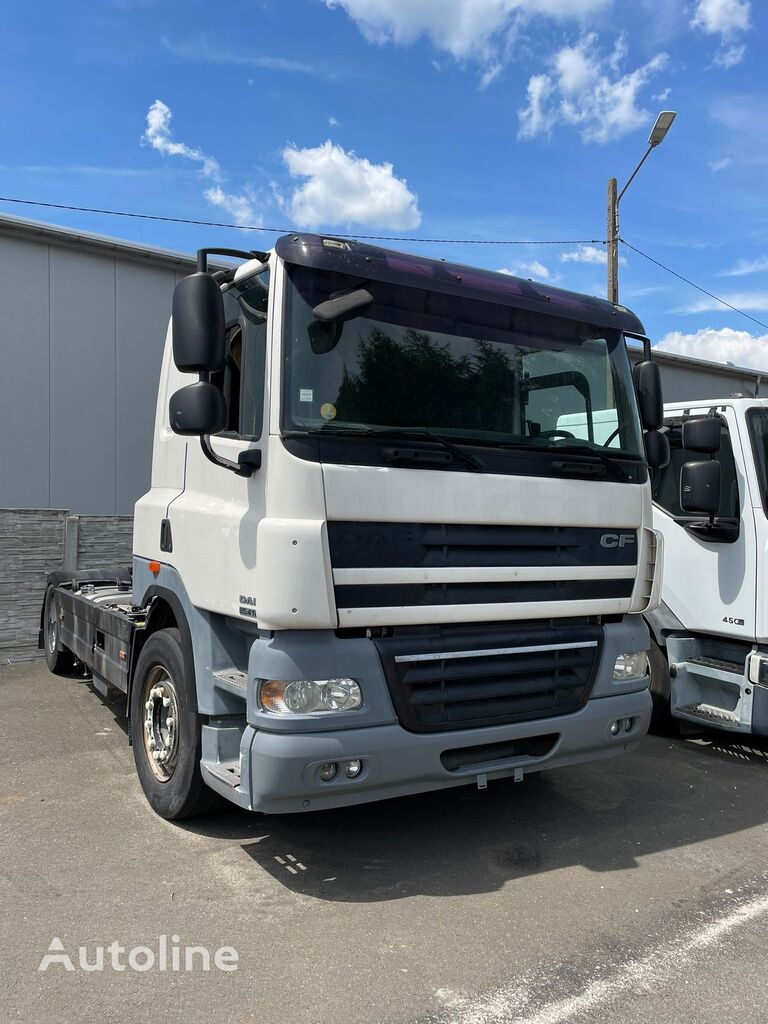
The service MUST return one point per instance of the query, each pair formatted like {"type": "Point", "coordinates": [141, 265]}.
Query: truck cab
{"type": "Point", "coordinates": [710, 632]}
{"type": "Point", "coordinates": [398, 536]}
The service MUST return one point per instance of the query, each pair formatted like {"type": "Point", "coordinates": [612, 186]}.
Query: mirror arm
{"type": "Point", "coordinates": [245, 467]}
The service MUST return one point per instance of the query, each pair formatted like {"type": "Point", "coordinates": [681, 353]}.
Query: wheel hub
{"type": "Point", "coordinates": [160, 723]}
{"type": "Point", "coordinates": [52, 627]}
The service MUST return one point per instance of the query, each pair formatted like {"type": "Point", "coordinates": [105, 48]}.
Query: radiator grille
{"type": "Point", "coordinates": [476, 679]}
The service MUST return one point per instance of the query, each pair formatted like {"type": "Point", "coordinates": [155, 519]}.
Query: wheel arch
{"type": "Point", "coordinates": [165, 612]}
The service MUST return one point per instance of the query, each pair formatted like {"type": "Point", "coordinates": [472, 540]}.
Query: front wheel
{"type": "Point", "coordinates": [166, 730]}
{"type": "Point", "coordinates": [60, 660]}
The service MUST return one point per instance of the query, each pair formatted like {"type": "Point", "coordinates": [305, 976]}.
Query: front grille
{"type": "Point", "coordinates": [388, 595]}
{"type": "Point", "coordinates": [429, 565]}
{"type": "Point", "coordinates": [440, 545]}
{"type": "Point", "coordinates": [465, 677]}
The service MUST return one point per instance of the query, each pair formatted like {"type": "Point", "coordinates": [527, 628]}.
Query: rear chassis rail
{"type": "Point", "coordinates": [98, 622]}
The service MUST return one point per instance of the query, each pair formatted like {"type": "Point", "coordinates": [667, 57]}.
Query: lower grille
{"type": "Point", "coordinates": [465, 678]}
{"type": "Point", "coordinates": [466, 758]}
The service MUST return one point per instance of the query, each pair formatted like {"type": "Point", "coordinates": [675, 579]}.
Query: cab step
{"type": "Point", "coordinates": [227, 773]}
{"type": "Point", "coordinates": [720, 664]}
{"type": "Point", "coordinates": [711, 714]}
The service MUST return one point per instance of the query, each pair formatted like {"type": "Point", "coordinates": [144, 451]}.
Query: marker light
{"type": "Point", "coordinates": [630, 665]}
{"type": "Point", "coordinates": [303, 696]}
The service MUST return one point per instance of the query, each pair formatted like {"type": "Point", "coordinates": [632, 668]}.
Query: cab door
{"type": "Point", "coordinates": [709, 585]}
{"type": "Point", "coordinates": [215, 520]}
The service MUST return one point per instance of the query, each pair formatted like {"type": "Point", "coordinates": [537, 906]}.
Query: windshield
{"type": "Point", "coordinates": [463, 369]}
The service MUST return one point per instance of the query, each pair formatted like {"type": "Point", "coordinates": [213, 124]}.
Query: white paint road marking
{"type": "Point", "coordinates": [517, 1004]}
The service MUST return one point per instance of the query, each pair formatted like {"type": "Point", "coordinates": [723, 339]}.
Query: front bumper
{"type": "Point", "coordinates": [282, 768]}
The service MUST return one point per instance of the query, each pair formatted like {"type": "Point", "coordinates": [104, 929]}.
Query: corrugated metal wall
{"type": "Point", "coordinates": [81, 334]}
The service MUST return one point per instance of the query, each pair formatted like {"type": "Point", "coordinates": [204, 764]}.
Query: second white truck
{"type": "Point", "coordinates": [374, 559]}
{"type": "Point", "coordinates": [709, 656]}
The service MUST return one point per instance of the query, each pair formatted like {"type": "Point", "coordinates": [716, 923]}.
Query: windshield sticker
{"type": "Point", "coordinates": [328, 411]}
{"type": "Point", "coordinates": [305, 395]}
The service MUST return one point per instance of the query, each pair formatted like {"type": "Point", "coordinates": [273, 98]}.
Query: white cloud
{"type": "Point", "coordinates": [728, 19]}
{"type": "Point", "coordinates": [724, 345]}
{"type": "Point", "coordinates": [722, 17]}
{"type": "Point", "coordinates": [332, 122]}
{"type": "Point", "coordinates": [587, 254]}
{"type": "Point", "coordinates": [201, 51]}
{"type": "Point", "coordinates": [577, 91]}
{"type": "Point", "coordinates": [720, 164]}
{"type": "Point", "coordinates": [753, 302]}
{"type": "Point", "coordinates": [730, 56]}
{"type": "Point", "coordinates": [663, 96]}
{"type": "Point", "coordinates": [158, 136]}
{"type": "Point", "coordinates": [464, 28]}
{"type": "Point", "coordinates": [342, 188]}
{"type": "Point", "coordinates": [744, 267]}
{"type": "Point", "coordinates": [534, 269]}
{"type": "Point", "coordinates": [240, 207]}
{"type": "Point", "coordinates": [490, 75]}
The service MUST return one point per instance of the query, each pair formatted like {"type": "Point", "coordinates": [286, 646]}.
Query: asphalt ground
{"type": "Point", "coordinates": [630, 890]}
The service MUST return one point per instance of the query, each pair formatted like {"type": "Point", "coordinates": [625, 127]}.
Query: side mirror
{"type": "Point", "coordinates": [700, 487]}
{"type": "Point", "coordinates": [657, 453]}
{"type": "Point", "coordinates": [650, 400]}
{"type": "Point", "coordinates": [198, 325]}
{"type": "Point", "coordinates": [197, 409]}
{"type": "Point", "coordinates": [702, 434]}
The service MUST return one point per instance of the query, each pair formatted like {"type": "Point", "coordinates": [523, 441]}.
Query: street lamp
{"type": "Point", "coordinates": [658, 132]}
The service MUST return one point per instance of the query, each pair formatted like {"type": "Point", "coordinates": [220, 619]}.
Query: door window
{"type": "Point", "coordinates": [666, 486]}
{"type": "Point", "coordinates": [242, 380]}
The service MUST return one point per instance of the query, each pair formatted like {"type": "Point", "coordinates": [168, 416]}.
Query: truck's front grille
{"type": "Point", "coordinates": [433, 565]}
{"type": "Point", "coordinates": [445, 545]}
{"type": "Point", "coordinates": [464, 677]}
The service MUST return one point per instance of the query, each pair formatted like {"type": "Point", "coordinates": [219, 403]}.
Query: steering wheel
{"type": "Point", "coordinates": [555, 433]}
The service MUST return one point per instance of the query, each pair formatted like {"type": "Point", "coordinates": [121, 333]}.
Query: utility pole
{"type": "Point", "coordinates": [613, 241]}
{"type": "Point", "coordinates": [659, 130]}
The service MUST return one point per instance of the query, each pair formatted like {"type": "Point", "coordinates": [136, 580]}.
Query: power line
{"type": "Point", "coordinates": [693, 284]}
{"type": "Point", "coordinates": [289, 231]}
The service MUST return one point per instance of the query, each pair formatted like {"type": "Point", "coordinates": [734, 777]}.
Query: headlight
{"type": "Point", "coordinates": [302, 696]}
{"type": "Point", "coordinates": [630, 665]}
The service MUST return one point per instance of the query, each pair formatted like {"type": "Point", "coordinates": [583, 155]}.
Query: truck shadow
{"type": "Point", "coordinates": [604, 817]}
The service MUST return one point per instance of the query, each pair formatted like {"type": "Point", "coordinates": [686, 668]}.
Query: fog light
{"type": "Point", "coordinates": [630, 665]}
{"type": "Point", "coordinates": [303, 696]}
{"type": "Point", "coordinates": [616, 727]}
{"type": "Point", "coordinates": [353, 768]}
{"type": "Point", "coordinates": [327, 771]}
{"type": "Point", "coordinates": [628, 723]}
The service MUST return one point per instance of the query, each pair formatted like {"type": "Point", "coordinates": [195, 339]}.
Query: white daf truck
{"type": "Point", "coordinates": [373, 561]}
{"type": "Point", "coordinates": [709, 655]}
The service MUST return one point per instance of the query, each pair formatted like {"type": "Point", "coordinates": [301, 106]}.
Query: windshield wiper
{"type": "Point", "coordinates": [583, 449]}
{"type": "Point", "coordinates": [395, 433]}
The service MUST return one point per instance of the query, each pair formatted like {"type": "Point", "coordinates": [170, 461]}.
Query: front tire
{"type": "Point", "coordinates": [166, 730]}
{"type": "Point", "coordinates": [61, 661]}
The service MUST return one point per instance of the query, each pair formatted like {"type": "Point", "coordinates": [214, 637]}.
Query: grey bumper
{"type": "Point", "coordinates": [283, 767]}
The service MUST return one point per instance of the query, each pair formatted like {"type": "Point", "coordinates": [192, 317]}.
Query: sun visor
{"type": "Point", "coordinates": [368, 262]}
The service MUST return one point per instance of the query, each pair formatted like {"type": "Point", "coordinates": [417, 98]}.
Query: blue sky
{"type": "Point", "coordinates": [488, 119]}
